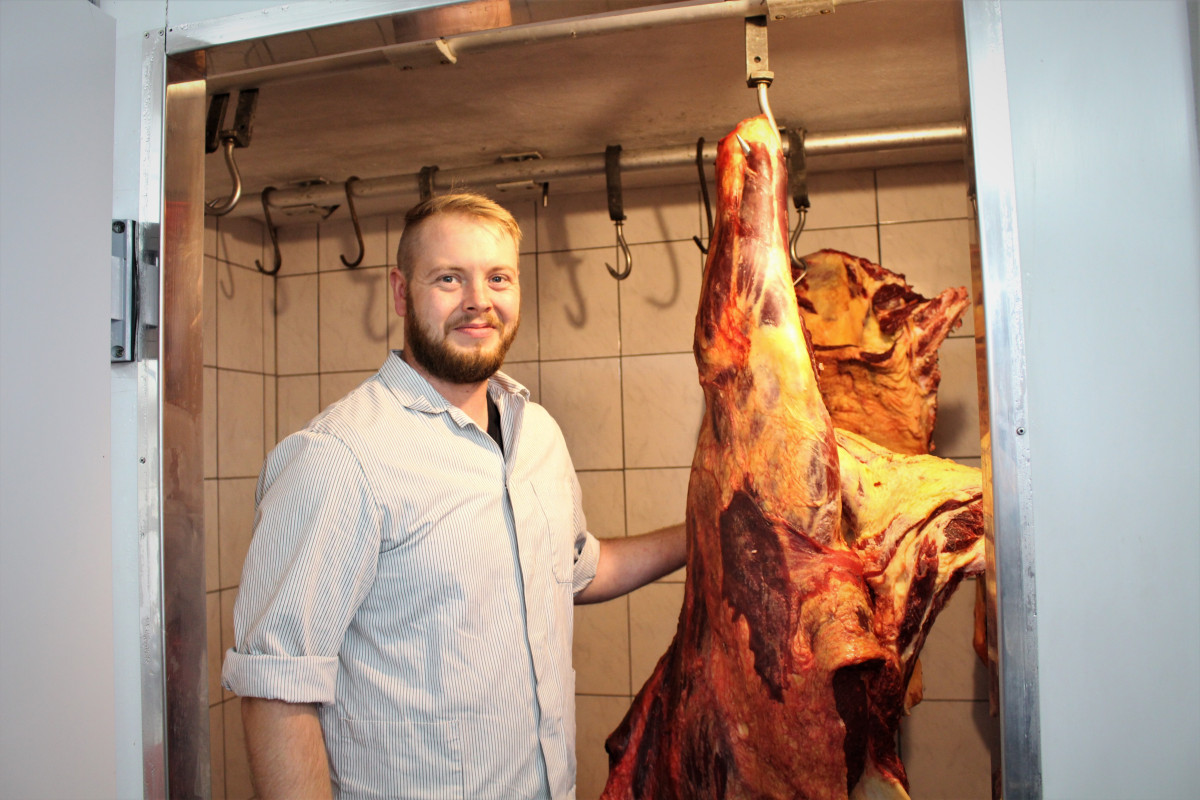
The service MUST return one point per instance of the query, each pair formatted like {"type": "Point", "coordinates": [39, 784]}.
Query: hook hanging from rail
{"type": "Point", "coordinates": [758, 72]}
{"type": "Point", "coordinates": [616, 210]}
{"type": "Point", "coordinates": [266, 194]}
{"type": "Point", "coordinates": [357, 228]}
{"type": "Point", "coordinates": [219, 208]}
{"type": "Point", "coordinates": [797, 168]}
{"type": "Point", "coordinates": [227, 140]}
{"type": "Point", "coordinates": [704, 193]}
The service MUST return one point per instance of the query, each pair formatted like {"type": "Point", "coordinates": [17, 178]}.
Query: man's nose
{"type": "Point", "coordinates": [476, 296]}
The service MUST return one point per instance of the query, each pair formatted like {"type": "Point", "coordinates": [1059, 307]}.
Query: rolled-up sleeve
{"type": "Point", "coordinates": [311, 563]}
{"type": "Point", "coordinates": [587, 546]}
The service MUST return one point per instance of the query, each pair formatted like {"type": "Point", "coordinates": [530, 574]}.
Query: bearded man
{"type": "Point", "coordinates": [403, 627]}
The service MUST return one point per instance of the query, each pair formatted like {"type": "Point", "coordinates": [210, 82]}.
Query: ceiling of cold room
{"type": "Point", "coordinates": [866, 65]}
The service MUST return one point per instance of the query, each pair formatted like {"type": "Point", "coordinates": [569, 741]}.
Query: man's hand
{"type": "Point", "coordinates": [286, 750]}
{"type": "Point", "coordinates": [627, 564]}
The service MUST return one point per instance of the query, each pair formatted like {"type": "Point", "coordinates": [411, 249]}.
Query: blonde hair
{"type": "Point", "coordinates": [465, 203]}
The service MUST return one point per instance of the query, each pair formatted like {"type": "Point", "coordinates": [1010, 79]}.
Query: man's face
{"type": "Point", "coordinates": [462, 305]}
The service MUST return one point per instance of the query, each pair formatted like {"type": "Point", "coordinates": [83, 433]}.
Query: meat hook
{"type": "Point", "coordinates": [622, 275]}
{"type": "Point", "coordinates": [764, 105]}
{"type": "Point", "coordinates": [797, 168]}
{"type": "Point", "coordinates": [274, 235]}
{"type": "Point", "coordinates": [704, 192]}
{"type": "Point", "coordinates": [616, 210]}
{"type": "Point", "coordinates": [237, 136]}
{"type": "Point", "coordinates": [798, 263]}
{"type": "Point", "coordinates": [219, 208]}
{"type": "Point", "coordinates": [357, 228]}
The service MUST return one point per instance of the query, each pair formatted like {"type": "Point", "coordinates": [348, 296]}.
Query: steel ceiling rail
{"type": "Point", "coordinates": [447, 50]}
{"type": "Point", "coordinates": [549, 169]}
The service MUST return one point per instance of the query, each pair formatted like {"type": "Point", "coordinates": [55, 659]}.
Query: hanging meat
{"type": "Point", "coordinates": [812, 577]}
{"type": "Point", "coordinates": [876, 343]}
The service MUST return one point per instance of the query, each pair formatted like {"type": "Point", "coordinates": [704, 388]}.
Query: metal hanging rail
{"type": "Point", "coordinates": [447, 50]}
{"type": "Point", "coordinates": [816, 145]}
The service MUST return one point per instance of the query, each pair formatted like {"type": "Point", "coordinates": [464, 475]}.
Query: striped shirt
{"type": "Point", "coordinates": [418, 584]}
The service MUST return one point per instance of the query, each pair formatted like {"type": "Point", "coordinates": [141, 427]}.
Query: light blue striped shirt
{"type": "Point", "coordinates": [419, 584]}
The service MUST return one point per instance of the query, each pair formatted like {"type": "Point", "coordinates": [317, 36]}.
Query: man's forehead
{"type": "Point", "coordinates": [449, 229]}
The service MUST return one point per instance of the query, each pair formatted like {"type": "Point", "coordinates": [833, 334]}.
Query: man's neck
{"type": "Point", "coordinates": [470, 397]}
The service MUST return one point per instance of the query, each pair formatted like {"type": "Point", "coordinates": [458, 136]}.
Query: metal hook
{"type": "Point", "coordinates": [798, 263]}
{"type": "Point", "coordinates": [616, 210]}
{"type": "Point", "coordinates": [219, 208]}
{"type": "Point", "coordinates": [758, 71]}
{"type": "Point", "coordinates": [357, 228]}
{"type": "Point", "coordinates": [797, 168]}
{"type": "Point", "coordinates": [704, 192]}
{"type": "Point", "coordinates": [237, 136]}
{"type": "Point", "coordinates": [764, 105]}
{"type": "Point", "coordinates": [622, 275]}
{"type": "Point", "coordinates": [274, 235]}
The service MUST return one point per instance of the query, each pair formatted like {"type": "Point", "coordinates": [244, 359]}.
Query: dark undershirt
{"type": "Point", "coordinates": [494, 423]}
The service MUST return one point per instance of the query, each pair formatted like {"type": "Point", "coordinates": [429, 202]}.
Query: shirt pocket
{"type": "Point", "coordinates": [554, 497]}
{"type": "Point", "coordinates": [393, 759]}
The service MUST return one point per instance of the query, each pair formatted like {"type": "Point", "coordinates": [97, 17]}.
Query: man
{"type": "Point", "coordinates": [403, 627]}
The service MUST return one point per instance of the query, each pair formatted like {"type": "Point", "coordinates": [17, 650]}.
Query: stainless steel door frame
{"type": "Point", "coordinates": [1007, 478]}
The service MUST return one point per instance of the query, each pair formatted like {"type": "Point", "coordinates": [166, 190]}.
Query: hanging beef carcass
{"type": "Point", "coordinates": [876, 343]}
{"type": "Point", "coordinates": [785, 677]}
{"type": "Point", "coordinates": [916, 524]}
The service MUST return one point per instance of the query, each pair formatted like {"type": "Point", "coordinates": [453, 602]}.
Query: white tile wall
{"type": "Point", "coordinates": [525, 346]}
{"type": "Point", "coordinates": [604, 502]}
{"type": "Point", "coordinates": [839, 200]}
{"type": "Point", "coordinates": [235, 515]}
{"type": "Point", "coordinates": [584, 396]}
{"type": "Point", "coordinates": [353, 306]}
{"type": "Point", "coordinates": [240, 241]}
{"type": "Point", "coordinates": [526, 373]}
{"type": "Point", "coordinates": [240, 435]}
{"type": "Point", "coordinates": [862, 241]}
{"type": "Point", "coordinates": [659, 298]}
{"type": "Point", "coordinates": [922, 192]}
{"type": "Point", "coordinates": [601, 668]}
{"type": "Point", "coordinates": [578, 311]}
{"type": "Point", "coordinates": [296, 331]}
{"type": "Point", "coordinates": [209, 310]}
{"type": "Point", "coordinates": [336, 241]}
{"type": "Point", "coordinates": [210, 422]}
{"type": "Point", "coordinates": [299, 400]}
{"type": "Point", "coordinates": [239, 317]}
{"type": "Point", "coordinates": [653, 618]}
{"type": "Point", "coordinates": [597, 718]}
{"type": "Point", "coordinates": [612, 362]}
{"type": "Point", "coordinates": [663, 405]}
{"type": "Point", "coordinates": [335, 385]}
{"type": "Point", "coordinates": [297, 249]}
{"type": "Point", "coordinates": [933, 256]}
{"type": "Point", "coordinates": [212, 551]}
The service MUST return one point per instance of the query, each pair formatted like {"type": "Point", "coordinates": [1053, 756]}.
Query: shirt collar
{"type": "Point", "coordinates": [413, 391]}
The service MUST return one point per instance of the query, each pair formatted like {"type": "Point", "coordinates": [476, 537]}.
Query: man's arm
{"type": "Point", "coordinates": [627, 564]}
{"type": "Point", "coordinates": [286, 750]}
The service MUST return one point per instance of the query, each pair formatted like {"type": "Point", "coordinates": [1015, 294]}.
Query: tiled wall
{"type": "Point", "coordinates": [613, 363]}
{"type": "Point", "coordinates": [239, 429]}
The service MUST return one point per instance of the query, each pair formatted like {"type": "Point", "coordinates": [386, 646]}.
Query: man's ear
{"type": "Point", "coordinates": [399, 289]}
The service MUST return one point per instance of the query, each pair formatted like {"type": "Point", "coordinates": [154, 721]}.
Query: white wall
{"type": "Point", "coordinates": [1108, 200]}
{"type": "Point", "coordinates": [56, 617]}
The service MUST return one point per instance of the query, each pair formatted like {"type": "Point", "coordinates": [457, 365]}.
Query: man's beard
{"type": "Point", "coordinates": [441, 360]}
